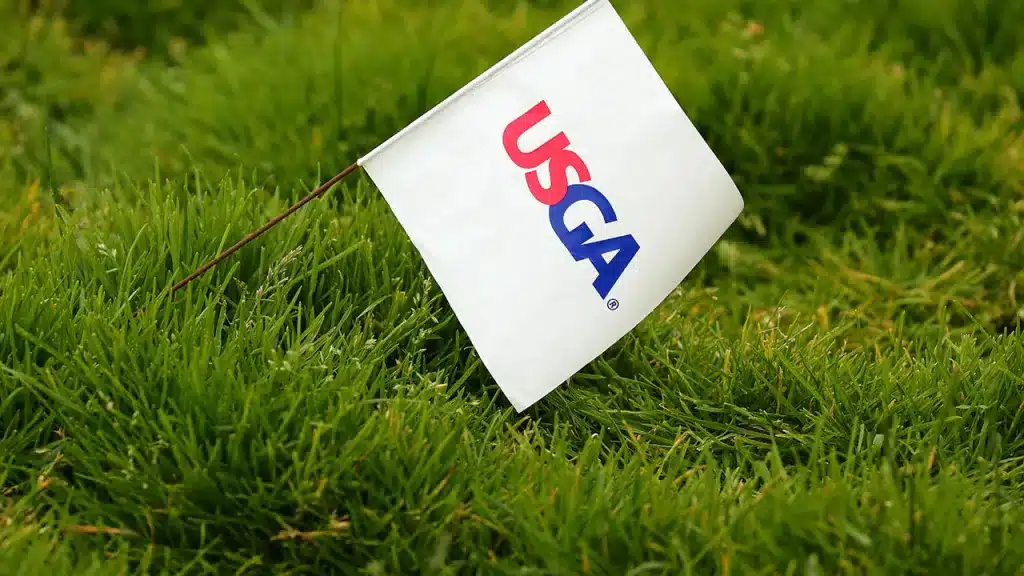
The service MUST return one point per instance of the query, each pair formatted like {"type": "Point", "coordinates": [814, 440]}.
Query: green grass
{"type": "Point", "coordinates": [838, 388]}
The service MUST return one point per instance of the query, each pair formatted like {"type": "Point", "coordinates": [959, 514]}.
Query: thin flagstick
{"type": "Point", "coordinates": [254, 235]}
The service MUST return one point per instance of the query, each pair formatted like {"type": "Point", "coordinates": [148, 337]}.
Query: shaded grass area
{"type": "Point", "coordinates": [838, 387]}
{"type": "Point", "coordinates": [159, 28]}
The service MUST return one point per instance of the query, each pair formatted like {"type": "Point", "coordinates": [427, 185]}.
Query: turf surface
{"type": "Point", "coordinates": [838, 388]}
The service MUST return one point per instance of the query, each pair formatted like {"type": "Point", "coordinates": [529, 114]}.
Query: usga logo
{"type": "Point", "coordinates": [559, 196]}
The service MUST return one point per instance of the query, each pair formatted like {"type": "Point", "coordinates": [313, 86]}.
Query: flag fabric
{"type": "Point", "coordinates": [557, 199]}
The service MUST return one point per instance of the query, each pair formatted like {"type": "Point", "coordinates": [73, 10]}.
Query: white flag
{"type": "Point", "coordinates": [557, 199]}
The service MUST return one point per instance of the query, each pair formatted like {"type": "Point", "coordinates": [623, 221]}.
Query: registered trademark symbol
{"type": "Point", "coordinates": [613, 304]}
